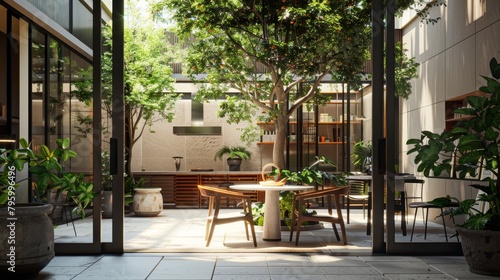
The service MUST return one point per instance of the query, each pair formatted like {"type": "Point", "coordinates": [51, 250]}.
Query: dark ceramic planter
{"type": "Point", "coordinates": [481, 250]}
{"type": "Point", "coordinates": [234, 164]}
{"type": "Point", "coordinates": [33, 233]}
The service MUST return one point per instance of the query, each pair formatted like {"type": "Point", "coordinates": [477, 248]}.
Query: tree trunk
{"type": "Point", "coordinates": [280, 142]}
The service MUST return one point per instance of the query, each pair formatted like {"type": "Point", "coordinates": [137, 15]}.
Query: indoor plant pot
{"type": "Point", "coordinates": [148, 202]}
{"type": "Point", "coordinates": [235, 154]}
{"type": "Point", "coordinates": [472, 145]}
{"type": "Point", "coordinates": [27, 244]}
{"type": "Point", "coordinates": [31, 234]}
{"type": "Point", "coordinates": [481, 249]}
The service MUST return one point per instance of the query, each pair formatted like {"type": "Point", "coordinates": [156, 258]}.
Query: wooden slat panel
{"type": "Point", "coordinates": [186, 191]}
{"type": "Point", "coordinates": [248, 179]}
{"type": "Point", "coordinates": [165, 182]}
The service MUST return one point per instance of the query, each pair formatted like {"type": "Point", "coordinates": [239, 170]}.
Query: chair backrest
{"type": "Point", "coordinates": [357, 187]}
{"type": "Point", "coordinates": [419, 183]}
{"type": "Point", "coordinates": [216, 192]}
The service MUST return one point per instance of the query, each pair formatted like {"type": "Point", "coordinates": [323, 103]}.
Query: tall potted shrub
{"type": "Point", "coordinates": [26, 231]}
{"type": "Point", "coordinates": [474, 144]}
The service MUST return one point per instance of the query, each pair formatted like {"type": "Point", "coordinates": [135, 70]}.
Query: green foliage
{"type": "Point", "coordinates": [233, 152]}
{"type": "Point", "coordinates": [258, 213]}
{"type": "Point", "coordinates": [361, 154]}
{"type": "Point", "coordinates": [472, 145]}
{"type": "Point", "coordinates": [405, 70]}
{"type": "Point", "coordinates": [311, 175]}
{"type": "Point", "coordinates": [275, 53]}
{"type": "Point", "coordinates": [149, 95]}
{"type": "Point", "coordinates": [46, 173]}
{"type": "Point", "coordinates": [265, 49]}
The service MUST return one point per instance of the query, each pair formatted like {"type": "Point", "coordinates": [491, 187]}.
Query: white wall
{"type": "Point", "coordinates": [452, 54]}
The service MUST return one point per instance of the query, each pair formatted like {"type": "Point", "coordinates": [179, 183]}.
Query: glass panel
{"type": "Point", "coordinates": [57, 10]}
{"type": "Point", "coordinates": [37, 88]}
{"type": "Point", "coordinates": [3, 71]}
{"type": "Point", "coordinates": [82, 23]}
{"type": "Point", "coordinates": [56, 114]}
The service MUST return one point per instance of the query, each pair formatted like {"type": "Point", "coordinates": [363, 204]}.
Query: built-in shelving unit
{"type": "Point", "coordinates": [324, 131]}
{"type": "Point", "coordinates": [452, 104]}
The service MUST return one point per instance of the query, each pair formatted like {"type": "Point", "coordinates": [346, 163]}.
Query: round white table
{"type": "Point", "coordinates": [272, 223]}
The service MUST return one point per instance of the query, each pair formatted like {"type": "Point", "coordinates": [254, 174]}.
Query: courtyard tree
{"type": "Point", "coordinates": [149, 92]}
{"type": "Point", "coordinates": [275, 53]}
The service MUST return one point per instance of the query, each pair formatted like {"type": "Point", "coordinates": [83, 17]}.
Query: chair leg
{"type": "Point", "coordinates": [299, 223]}
{"type": "Point", "coordinates": [71, 217]}
{"type": "Point", "coordinates": [211, 233]}
{"type": "Point", "coordinates": [348, 208]}
{"type": "Point", "coordinates": [413, 227]}
{"type": "Point", "coordinates": [252, 229]}
{"type": "Point", "coordinates": [364, 215]}
{"type": "Point", "coordinates": [444, 226]}
{"type": "Point", "coordinates": [426, 220]}
{"type": "Point", "coordinates": [245, 223]}
{"type": "Point", "coordinates": [344, 233]}
{"type": "Point", "coordinates": [292, 223]}
{"type": "Point", "coordinates": [336, 231]}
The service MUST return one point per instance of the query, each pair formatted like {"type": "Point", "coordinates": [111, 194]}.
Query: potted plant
{"type": "Point", "coordinates": [307, 176]}
{"type": "Point", "coordinates": [474, 144]}
{"type": "Point", "coordinates": [362, 156]}
{"type": "Point", "coordinates": [107, 186]}
{"type": "Point", "coordinates": [33, 246]}
{"type": "Point", "coordinates": [236, 155]}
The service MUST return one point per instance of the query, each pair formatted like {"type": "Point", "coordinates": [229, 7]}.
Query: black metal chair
{"type": "Point", "coordinates": [427, 206]}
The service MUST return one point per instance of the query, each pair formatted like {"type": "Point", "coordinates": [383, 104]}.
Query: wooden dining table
{"type": "Point", "coordinates": [272, 220]}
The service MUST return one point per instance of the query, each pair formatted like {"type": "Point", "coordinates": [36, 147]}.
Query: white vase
{"type": "Point", "coordinates": [148, 202]}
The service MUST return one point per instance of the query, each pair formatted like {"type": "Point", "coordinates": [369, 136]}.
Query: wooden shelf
{"type": "Point", "coordinates": [309, 143]}
{"type": "Point", "coordinates": [452, 104]}
{"type": "Point", "coordinates": [313, 123]}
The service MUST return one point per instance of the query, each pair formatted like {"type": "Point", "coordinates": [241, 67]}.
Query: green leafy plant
{"type": "Point", "coordinates": [474, 144]}
{"type": "Point", "coordinates": [361, 154]}
{"type": "Point", "coordinates": [267, 49]}
{"type": "Point", "coordinates": [312, 175]}
{"type": "Point", "coordinates": [233, 152]}
{"type": "Point", "coordinates": [46, 172]}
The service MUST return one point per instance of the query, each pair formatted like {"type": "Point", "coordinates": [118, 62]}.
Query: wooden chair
{"type": "Point", "coordinates": [215, 197]}
{"type": "Point", "coordinates": [332, 197]}
{"type": "Point", "coordinates": [358, 193]}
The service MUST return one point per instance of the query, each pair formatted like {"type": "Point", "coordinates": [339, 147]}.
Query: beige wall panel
{"type": "Point", "coordinates": [487, 46]}
{"type": "Point", "coordinates": [486, 12]}
{"type": "Point", "coordinates": [460, 22]}
{"type": "Point", "coordinates": [430, 87]}
{"type": "Point", "coordinates": [460, 68]}
{"type": "Point", "coordinates": [425, 40]}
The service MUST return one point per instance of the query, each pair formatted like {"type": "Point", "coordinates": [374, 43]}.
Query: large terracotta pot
{"type": "Point", "coordinates": [26, 243]}
{"type": "Point", "coordinates": [481, 249]}
{"type": "Point", "coordinates": [148, 202]}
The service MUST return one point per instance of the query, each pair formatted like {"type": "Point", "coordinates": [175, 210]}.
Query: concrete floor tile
{"type": "Point", "coordinates": [418, 276]}
{"type": "Point", "coordinates": [119, 267]}
{"type": "Point", "coordinates": [295, 270]}
{"type": "Point", "coordinates": [403, 267]}
{"type": "Point", "coordinates": [241, 270]}
{"type": "Point", "coordinates": [178, 269]}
